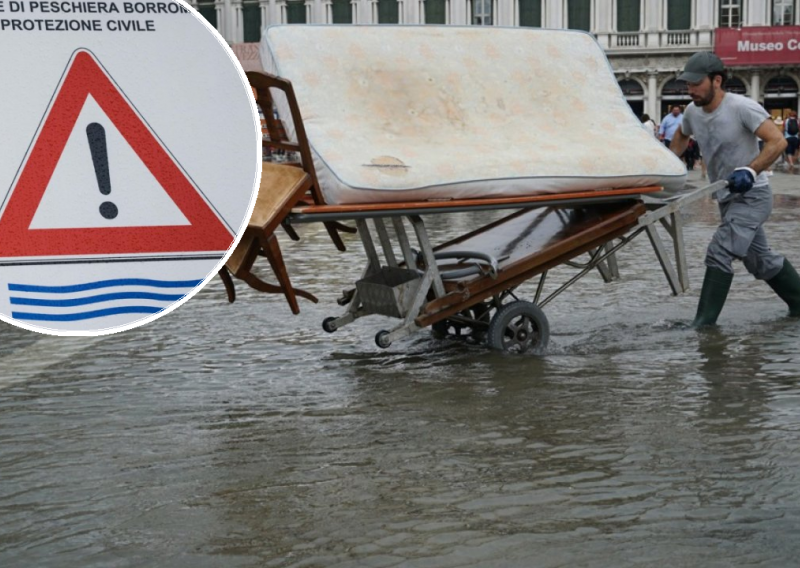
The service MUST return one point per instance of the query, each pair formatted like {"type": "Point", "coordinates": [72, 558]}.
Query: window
{"type": "Point", "coordinates": [482, 12]}
{"type": "Point", "coordinates": [435, 11]}
{"type": "Point", "coordinates": [782, 12]}
{"type": "Point", "coordinates": [679, 15]}
{"type": "Point", "coordinates": [341, 12]}
{"type": "Point", "coordinates": [209, 11]}
{"type": "Point", "coordinates": [295, 12]}
{"type": "Point", "coordinates": [251, 16]}
{"type": "Point", "coordinates": [730, 13]}
{"type": "Point", "coordinates": [628, 15]}
{"type": "Point", "coordinates": [388, 12]}
{"type": "Point", "coordinates": [530, 13]}
{"type": "Point", "coordinates": [579, 15]}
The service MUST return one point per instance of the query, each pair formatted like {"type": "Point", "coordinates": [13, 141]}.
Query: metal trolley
{"type": "Point", "coordinates": [466, 287]}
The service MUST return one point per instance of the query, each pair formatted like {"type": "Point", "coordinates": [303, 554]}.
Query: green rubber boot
{"type": "Point", "coordinates": [716, 285]}
{"type": "Point", "coordinates": [787, 285]}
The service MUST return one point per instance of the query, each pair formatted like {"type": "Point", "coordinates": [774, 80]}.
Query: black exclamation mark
{"type": "Point", "coordinates": [97, 145]}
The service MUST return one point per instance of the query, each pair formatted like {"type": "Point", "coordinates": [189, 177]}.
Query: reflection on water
{"type": "Point", "coordinates": [238, 435]}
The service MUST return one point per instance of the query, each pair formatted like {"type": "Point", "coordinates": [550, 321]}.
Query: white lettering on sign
{"type": "Point", "coordinates": [749, 46]}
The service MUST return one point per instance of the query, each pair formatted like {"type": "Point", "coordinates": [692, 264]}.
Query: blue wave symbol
{"type": "Point", "coordinates": [57, 298]}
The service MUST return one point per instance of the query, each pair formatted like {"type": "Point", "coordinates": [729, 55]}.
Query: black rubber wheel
{"type": "Point", "coordinates": [328, 325]}
{"type": "Point", "coordinates": [381, 339]}
{"type": "Point", "coordinates": [519, 327]}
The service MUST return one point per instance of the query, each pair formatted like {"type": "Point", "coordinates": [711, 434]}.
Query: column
{"type": "Point", "coordinates": [219, 6]}
{"type": "Point", "coordinates": [237, 31]}
{"type": "Point", "coordinates": [263, 8]}
{"type": "Point", "coordinates": [229, 22]}
{"type": "Point", "coordinates": [458, 12]}
{"type": "Point", "coordinates": [758, 13]}
{"type": "Point", "coordinates": [704, 15]}
{"type": "Point", "coordinates": [413, 11]}
{"type": "Point", "coordinates": [654, 22]}
{"type": "Point", "coordinates": [273, 13]}
{"type": "Point", "coordinates": [364, 8]}
{"type": "Point", "coordinates": [652, 16]}
{"type": "Point", "coordinates": [603, 21]}
{"type": "Point", "coordinates": [554, 14]}
{"type": "Point", "coordinates": [505, 13]}
{"type": "Point", "coordinates": [652, 96]}
{"type": "Point", "coordinates": [755, 86]}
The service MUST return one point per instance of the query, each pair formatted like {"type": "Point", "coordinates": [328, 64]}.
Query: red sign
{"type": "Point", "coordinates": [758, 45]}
{"type": "Point", "coordinates": [84, 77]}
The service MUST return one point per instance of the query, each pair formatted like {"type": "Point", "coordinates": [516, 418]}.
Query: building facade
{"type": "Point", "coordinates": [646, 41]}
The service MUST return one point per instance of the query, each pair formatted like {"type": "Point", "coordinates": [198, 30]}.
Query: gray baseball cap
{"type": "Point", "coordinates": [700, 65]}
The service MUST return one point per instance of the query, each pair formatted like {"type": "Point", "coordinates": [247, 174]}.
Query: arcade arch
{"type": "Point", "coordinates": [634, 92]}
{"type": "Point", "coordinates": [781, 95]}
{"type": "Point", "coordinates": [673, 92]}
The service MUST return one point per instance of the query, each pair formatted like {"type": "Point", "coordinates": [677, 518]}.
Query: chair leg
{"type": "Point", "coordinates": [334, 235]}
{"type": "Point", "coordinates": [225, 276]}
{"type": "Point", "coordinates": [273, 252]}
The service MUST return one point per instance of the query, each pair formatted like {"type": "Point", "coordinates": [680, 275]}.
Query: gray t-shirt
{"type": "Point", "coordinates": [726, 136]}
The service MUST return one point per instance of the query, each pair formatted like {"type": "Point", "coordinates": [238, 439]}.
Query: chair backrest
{"type": "Point", "coordinates": [263, 85]}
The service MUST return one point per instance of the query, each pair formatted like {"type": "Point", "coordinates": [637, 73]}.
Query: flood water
{"type": "Point", "coordinates": [239, 435]}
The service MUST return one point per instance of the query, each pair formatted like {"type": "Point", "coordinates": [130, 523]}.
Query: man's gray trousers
{"type": "Point", "coordinates": [741, 235]}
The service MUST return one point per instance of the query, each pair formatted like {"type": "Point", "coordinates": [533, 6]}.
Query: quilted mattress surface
{"type": "Point", "coordinates": [403, 113]}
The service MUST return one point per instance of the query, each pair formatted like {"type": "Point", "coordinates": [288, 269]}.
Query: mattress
{"type": "Point", "coordinates": [406, 113]}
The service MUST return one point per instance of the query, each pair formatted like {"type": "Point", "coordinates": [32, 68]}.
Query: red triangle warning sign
{"type": "Point", "coordinates": [85, 77]}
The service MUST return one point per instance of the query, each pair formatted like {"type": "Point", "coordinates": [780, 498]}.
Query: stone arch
{"type": "Point", "coordinates": [737, 79]}
{"type": "Point", "coordinates": [634, 92]}
{"type": "Point", "coordinates": [784, 83]}
{"type": "Point", "coordinates": [664, 80]}
{"type": "Point", "coordinates": [672, 92]}
{"type": "Point", "coordinates": [780, 93]}
{"type": "Point", "coordinates": [640, 87]}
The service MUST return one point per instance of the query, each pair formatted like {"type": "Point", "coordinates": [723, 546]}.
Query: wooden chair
{"type": "Point", "coordinates": [281, 188]}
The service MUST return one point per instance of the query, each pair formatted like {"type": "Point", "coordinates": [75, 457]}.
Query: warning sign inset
{"type": "Point", "coordinates": [66, 147]}
{"type": "Point", "coordinates": [131, 156]}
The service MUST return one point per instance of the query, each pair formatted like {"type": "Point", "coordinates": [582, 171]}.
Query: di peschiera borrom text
{"type": "Point", "coordinates": [73, 16]}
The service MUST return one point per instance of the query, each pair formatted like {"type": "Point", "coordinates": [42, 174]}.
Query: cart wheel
{"type": "Point", "coordinates": [382, 340]}
{"type": "Point", "coordinates": [519, 327]}
{"type": "Point", "coordinates": [328, 325]}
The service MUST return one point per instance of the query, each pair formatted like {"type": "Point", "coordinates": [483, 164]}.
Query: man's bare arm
{"type": "Point", "coordinates": [774, 144]}
{"type": "Point", "coordinates": [679, 142]}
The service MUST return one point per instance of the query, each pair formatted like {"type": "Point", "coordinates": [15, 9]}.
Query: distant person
{"type": "Point", "coordinates": [791, 130]}
{"type": "Point", "coordinates": [669, 125]}
{"type": "Point", "coordinates": [702, 160]}
{"type": "Point", "coordinates": [649, 125]}
{"type": "Point", "coordinates": [728, 126]}
{"type": "Point", "coordinates": [692, 154]}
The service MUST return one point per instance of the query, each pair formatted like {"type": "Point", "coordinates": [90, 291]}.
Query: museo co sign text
{"type": "Point", "coordinates": [758, 45]}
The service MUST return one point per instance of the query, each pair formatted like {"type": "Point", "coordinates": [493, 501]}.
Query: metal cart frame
{"type": "Point", "coordinates": [387, 287]}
